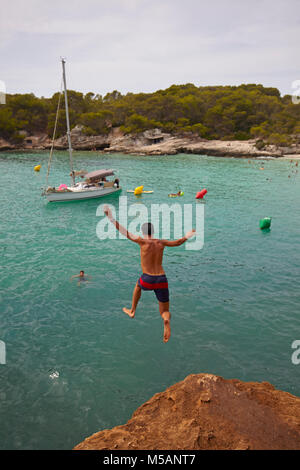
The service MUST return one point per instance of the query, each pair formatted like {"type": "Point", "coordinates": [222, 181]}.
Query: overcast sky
{"type": "Point", "coordinates": [145, 45]}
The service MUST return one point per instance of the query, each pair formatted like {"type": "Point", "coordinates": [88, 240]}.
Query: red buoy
{"type": "Point", "coordinates": [201, 194]}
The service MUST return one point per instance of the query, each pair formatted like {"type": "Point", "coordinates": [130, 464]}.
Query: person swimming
{"type": "Point", "coordinates": [179, 193]}
{"type": "Point", "coordinates": [153, 276]}
{"type": "Point", "coordinates": [81, 277]}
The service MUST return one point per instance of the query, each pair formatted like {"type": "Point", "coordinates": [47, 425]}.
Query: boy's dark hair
{"type": "Point", "coordinates": [82, 271]}
{"type": "Point", "coordinates": [147, 228]}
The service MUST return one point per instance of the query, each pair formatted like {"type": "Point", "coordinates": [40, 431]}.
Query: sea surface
{"type": "Point", "coordinates": [75, 363]}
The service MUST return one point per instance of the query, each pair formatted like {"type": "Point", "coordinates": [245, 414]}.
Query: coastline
{"type": "Point", "coordinates": [164, 144]}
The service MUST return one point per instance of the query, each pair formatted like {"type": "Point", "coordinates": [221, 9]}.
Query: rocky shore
{"type": "Point", "coordinates": [152, 142]}
{"type": "Point", "coordinates": [207, 412]}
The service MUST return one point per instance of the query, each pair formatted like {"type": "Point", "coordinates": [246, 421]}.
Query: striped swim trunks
{"type": "Point", "coordinates": [157, 283]}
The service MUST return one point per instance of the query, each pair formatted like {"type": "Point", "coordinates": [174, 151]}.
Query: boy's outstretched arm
{"type": "Point", "coordinates": [120, 227]}
{"type": "Point", "coordinates": [180, 241]}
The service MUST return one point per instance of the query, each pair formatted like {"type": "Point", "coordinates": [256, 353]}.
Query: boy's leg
{"type": "Point", "coordinates": [135, 299]}
{"type": "Point", "coordinates": [166, 316]}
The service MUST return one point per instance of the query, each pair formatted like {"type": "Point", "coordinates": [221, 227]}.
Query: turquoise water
{"type": "Point", "coordinates": [75, 363]}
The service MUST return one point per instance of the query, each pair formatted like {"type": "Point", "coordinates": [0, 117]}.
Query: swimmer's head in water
{"type": "Point", "coordinates": [81, 273]}
{"type": "Point", "coordinates": [147, 229]}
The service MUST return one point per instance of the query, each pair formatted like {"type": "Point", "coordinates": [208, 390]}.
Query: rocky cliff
{"type": "Point", "coordinates": [205, 411]}
{"type": "Point", "coordinates": [152, 142]}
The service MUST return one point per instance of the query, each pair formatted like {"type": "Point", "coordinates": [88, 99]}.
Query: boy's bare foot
{"type": "Point", "coordinates": [167, 331]}
{"type": "Point", "coordinates": [129, 312]}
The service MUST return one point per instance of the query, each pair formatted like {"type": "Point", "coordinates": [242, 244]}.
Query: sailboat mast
{"type": "Point", "coordinates": [68, 121]}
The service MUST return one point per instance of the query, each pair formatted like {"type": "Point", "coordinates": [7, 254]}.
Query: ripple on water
{"type": "Point", "coordinates": [75, 362]}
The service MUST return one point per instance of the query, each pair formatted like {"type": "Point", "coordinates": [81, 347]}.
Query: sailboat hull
{"type": "Point", "coordinates": [62, 196]}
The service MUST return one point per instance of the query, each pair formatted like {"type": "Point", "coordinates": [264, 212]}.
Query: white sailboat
{"type": "Point", "coordinates": [95, 183]}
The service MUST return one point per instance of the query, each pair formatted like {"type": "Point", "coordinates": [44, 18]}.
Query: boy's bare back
{"type": "Point", "coordinates": [152, 251]}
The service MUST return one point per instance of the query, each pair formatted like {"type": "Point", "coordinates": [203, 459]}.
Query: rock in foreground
{"type": "Point", "coordinates": [205, 411]}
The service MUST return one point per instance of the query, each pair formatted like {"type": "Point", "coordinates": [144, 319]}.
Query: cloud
{"type": "Point", "coordinates": [143, 45]}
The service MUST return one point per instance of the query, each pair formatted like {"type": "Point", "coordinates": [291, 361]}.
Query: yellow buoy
{"type": "Point", "coordinates": [37, 168]}
{"type": "Point", "coordinates": [138, 190]}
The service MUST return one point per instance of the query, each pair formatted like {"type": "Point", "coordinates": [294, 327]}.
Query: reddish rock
{"type": "Point", "coordinates": [205, 411]}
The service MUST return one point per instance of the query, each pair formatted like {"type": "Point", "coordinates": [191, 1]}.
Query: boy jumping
{"type": "Point", "coordinates": [153, 277]}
